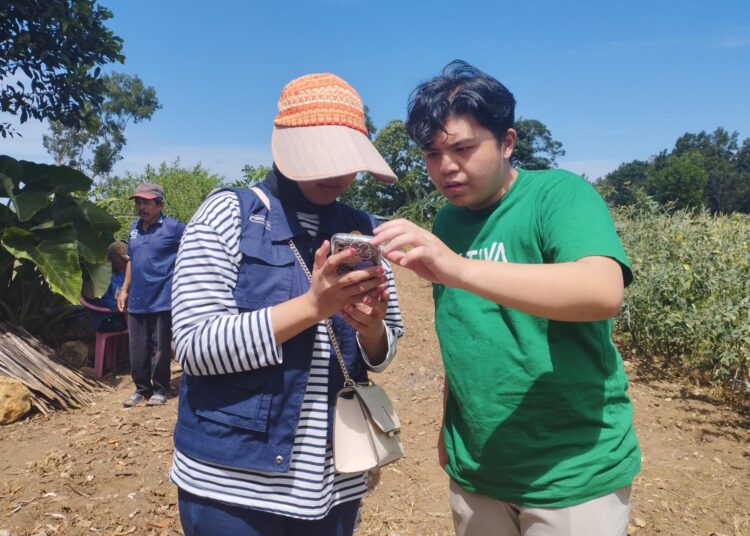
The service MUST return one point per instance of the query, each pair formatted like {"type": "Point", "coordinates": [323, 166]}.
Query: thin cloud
{"type": "Point", "coordinates": [733, 42]}
{"type": "Point", "coordinates": [587, 132]}
{"type": "Point", "coordinates": [224, 160]}
{"type": "Point", "coordinates": [341, 3]}
{"type": "Point", "coordinates": [620, 48]}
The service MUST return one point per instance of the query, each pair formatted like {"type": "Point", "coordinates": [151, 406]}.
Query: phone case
{"type": "Point", "coordinates": [368, 255]}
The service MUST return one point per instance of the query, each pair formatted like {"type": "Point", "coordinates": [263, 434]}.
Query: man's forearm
{"type": "Point", "coordinates": [587, 290]}
{"type": "Point", "coordinates": [122, 296]}
{"type": "Point", "coordinates": [126, 280]}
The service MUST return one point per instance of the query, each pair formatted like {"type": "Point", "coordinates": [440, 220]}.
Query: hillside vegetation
{"type": "Point", "coordinates": [690, 302]}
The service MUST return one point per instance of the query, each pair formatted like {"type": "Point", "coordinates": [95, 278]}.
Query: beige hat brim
{"type": "Point", "coordinates": [326, 151]}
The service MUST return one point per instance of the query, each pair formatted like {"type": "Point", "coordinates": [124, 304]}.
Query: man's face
{"type": "Point", "coordinates": [148, 210]}
{"type": "Point", "coordinates": [468, 165]}
{"type": "Point", "coordinates": [326, 191]}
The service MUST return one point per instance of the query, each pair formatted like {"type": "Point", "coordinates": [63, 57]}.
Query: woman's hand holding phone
{"type": "Point", "coordinates": [331, 290]}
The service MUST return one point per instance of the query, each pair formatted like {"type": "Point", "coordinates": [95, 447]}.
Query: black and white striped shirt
{"type": "Point", "coordinates": [213, 337]}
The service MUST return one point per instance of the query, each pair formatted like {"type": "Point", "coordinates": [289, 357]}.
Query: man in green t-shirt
{"type": "Point", "coordinates": [528, 271]}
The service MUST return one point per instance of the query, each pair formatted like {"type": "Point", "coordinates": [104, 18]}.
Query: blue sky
{"type": "Point", "coordinates": [613, 81]}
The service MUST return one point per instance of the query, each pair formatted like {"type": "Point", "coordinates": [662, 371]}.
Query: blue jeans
{"type": "Point", "coordinates": [205, 517]}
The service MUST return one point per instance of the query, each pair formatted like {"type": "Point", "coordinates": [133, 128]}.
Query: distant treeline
{"type": "Point", "coordinates": [704, 170]}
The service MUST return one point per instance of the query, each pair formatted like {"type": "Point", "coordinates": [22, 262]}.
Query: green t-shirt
{"type": "Point", "coordinates": [538, 413]}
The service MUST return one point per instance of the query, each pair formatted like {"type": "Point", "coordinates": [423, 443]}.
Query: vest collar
{"type": "Point", "coordinates": [282, 220]}
{"type": "Point", "coordinates": [284, 224]}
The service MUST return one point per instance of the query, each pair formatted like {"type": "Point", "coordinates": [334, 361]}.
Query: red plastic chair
{"type": "Point", "coordinates": [107, 343]}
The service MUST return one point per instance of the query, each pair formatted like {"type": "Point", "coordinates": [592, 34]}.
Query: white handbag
{"type": "Point", "coordinates": [366, 429]}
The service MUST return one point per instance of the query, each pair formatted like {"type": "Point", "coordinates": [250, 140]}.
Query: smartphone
{"type": "Point", "coordinates": [367, 254]}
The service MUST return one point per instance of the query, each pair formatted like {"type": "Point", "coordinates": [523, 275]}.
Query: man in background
{"type": "Point", "coordinates": [146, 294]}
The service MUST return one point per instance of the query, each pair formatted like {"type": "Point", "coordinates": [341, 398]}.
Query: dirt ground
{"type": "Point", "coordinates": [103, 469]}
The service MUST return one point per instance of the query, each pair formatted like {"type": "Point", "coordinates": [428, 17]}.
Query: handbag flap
{"type": "Point", "coordinates": [353, 448]}
{"type": "Point", "coordinates": [378, 405]}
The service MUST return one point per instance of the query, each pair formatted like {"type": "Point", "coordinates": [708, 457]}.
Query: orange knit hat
{"type": "Point", "coordinates": [320, 99]}
{"type": "Point", "coordinates": [320, 131]}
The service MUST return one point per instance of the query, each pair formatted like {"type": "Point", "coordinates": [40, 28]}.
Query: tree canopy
{"type": "Point", "coordinates": [727, 188]}
{"type": "Point", "coordinates": [709, 170]}
{"type": "Point", "coordinates": [535, 147]}
{"type": "Point", "coordinates": [405, 159]}
{"type": "Point", "coordinates": [97, 145]}
{"type": "Point", "coordinates": [50, 53]}
{"type": "Point", "coordinates": [678, 179]}
{"type": "Point", "coordinates": [620, 186]}
{"type": "Point", "coordinates": [251, 175]}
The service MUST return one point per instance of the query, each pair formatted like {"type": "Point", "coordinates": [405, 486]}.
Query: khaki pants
{"type": "Point", "coordinates": [478, 515]}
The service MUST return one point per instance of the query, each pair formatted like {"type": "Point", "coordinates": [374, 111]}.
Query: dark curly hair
{"type": "Point", "coordinates": [460, 89]}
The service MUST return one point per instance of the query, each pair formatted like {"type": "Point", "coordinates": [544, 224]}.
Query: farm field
{"type": "Point", "coordinates": [103, 469]}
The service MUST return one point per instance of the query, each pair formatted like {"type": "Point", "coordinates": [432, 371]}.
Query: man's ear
{"type": "Point", "coordinates": [509, 142]}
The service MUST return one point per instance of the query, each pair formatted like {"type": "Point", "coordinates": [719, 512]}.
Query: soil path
{"type": "Point", "coordinates": [103, 469]}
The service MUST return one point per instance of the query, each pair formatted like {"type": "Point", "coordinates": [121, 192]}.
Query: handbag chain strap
{"type": "Point", "coordinates": [348, 382]}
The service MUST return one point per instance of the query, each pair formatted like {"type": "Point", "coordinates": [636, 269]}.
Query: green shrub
{"type": "Point", "coordinates": [423, 209]}
{"type": "Point", "coordinates": [690, 301]}
{"type": "Point", "coordinates": [184, 191]}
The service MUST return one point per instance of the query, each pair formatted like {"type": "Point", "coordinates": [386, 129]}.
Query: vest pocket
{"type": "Point", "coordinates": [265, 276]}
{"type": "Point", "coordinates": [235, 400]}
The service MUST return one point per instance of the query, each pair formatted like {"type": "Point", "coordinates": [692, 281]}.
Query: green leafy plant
{"type": "Point", "coordinates": [251, 175]}
{"type": "Point", "coordinates": [52, 241]}
{"type": "Point", "coordinates": [422, 209]}
{"type": "Point", "coordinates": [690, 300]}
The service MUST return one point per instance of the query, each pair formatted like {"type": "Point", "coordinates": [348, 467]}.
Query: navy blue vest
{"type": "Point", "coordinates": [248, 419]}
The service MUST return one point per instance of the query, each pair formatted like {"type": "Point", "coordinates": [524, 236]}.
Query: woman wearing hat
{"type": "Point", "coordinates": [253, 436]}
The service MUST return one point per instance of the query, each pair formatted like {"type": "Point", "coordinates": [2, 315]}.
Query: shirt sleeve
{"type": "Point", "coordinates": [394, 326]}
{"type": "Point", "coordinates": [211, 335]}
{"type": "Point", "coordinates": [179, 230]}
{"type": "Point", "coordinates": [130, 242]}
{"type": "Point", "coordinates": [575, 222]}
